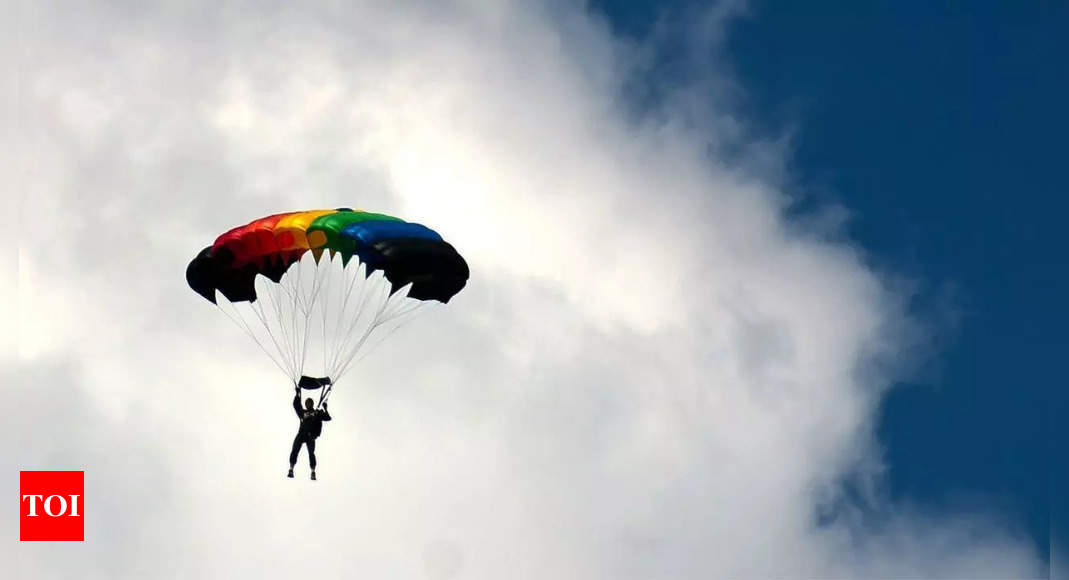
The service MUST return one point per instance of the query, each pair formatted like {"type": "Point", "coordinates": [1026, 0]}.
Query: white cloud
{"type": "Point", "coordinates": [650, 375]}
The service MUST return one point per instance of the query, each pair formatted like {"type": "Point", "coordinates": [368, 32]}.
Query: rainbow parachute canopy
{"type": "Point", "coordinates": [407, 253]}
{"type": "Point", "coordinates": [316, 289]}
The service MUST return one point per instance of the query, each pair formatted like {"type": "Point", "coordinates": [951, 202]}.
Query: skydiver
{"type": "Point", "coordinates": [311, 427]}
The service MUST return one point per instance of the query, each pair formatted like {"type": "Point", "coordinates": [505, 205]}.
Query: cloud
{"type": "Point", "coordinates": [652, 374]}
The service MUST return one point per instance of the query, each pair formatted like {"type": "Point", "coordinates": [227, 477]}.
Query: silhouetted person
{"type": "Point", "coordinates": [311, 426]}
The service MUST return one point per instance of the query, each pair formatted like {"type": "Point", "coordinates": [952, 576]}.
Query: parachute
{"type": "Point", "coordinates": [316, 290]}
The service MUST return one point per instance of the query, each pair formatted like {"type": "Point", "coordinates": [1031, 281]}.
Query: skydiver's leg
{"type": "Point", "coordinates": [312, 453]}
{"type": "Point", "coordinates": [297, 441]}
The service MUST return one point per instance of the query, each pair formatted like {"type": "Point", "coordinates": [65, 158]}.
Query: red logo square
{"type": "Point", "coordinates": [52, 506]}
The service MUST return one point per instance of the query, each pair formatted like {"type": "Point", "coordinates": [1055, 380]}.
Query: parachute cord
{"type": "Point", "coordinates": [352, 275]}
{"type": "Point", "coordinates": [258, 310]}
{"type": "Point", "coordinates": [296, 280]}
{"type": "Point", "coordinates": [348, 358]}
{"type": "Point", "coordinates": [383, 337]}
{"type": "Point", "coordinates": [323, 309]}
{"type": "Point", "coordinates": [380, 338]}
{"type": "Point", "coordinates": [286, 318]}
{"type": "Point", "coordinates": [352, 321]}
{"type": "Point", "coordinates": [275, 294]}
{"type": "Point", "coordinates": [285, 314]}
{"type": "Point", "coordinates": [345, 353]}
{"type": "Point", "coordinates": [365, 294]}
{"type": "Point", "coordinates": [342, 339]}
{"type": "Point", "coordinates": [304, 342]}
{"type": "Point", "coordinates": [306, 310]}
{"type": "Point", "coordinates": [375, 323]}
{"type": "Point", "coordinates": [317, 286]}
{"type": "Point", "coordinates": [308, 305]}
{"type": "Point", "coordinates": [270, 295]}
{"type": "Point", "coordinates": [244, 326]}
{"type": "Point", "coordinates": [294, 326]}
{"type": "Point", "coordinates": [291, 318]}
{"type": "Point", "coordinates": [281, 305]}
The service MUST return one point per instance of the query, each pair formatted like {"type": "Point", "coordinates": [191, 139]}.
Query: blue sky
{"type": "Point", "coordinates": [931, 123]}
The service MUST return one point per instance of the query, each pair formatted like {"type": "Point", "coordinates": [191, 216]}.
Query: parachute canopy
{"type": "Point", "coordinates": [324, 282]}
{"type": "Point", "coordinates": [405, 252]}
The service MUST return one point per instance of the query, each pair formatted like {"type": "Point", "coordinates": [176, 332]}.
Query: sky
{"type": "Point", "coordinates": [910, 129]}
{"type": "Point", "coordinates": [738, 305]}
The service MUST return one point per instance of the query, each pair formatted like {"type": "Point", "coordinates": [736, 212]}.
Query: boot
{"type": "Point", "coordinates": [313, 476]}
{"type": "Point", "coordinates": [290, 474]}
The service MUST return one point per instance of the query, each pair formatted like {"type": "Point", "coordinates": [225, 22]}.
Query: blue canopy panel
{"type": "Point", "coordinates": [366, 234]}
{"type": "Point", "coordinates": [370, 232]}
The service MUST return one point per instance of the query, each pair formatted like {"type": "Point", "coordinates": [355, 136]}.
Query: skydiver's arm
{"type": "Point", "coordinates": [323, 414]}
{"type": "Point", "coordinates": [297, 403]}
